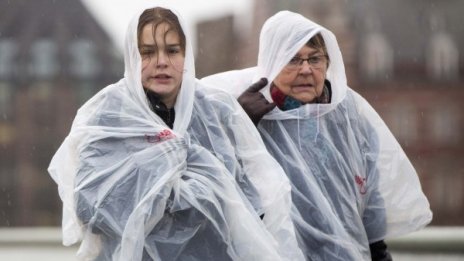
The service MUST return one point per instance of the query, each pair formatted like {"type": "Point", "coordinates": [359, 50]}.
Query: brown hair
{"type": "Point", "coordinates": [317, 42]}
{"type": "Point", "coordinates": [156, 16]}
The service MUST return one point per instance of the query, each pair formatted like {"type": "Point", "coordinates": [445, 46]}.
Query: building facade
{"type": "Point", "coordinates": [53, 57]}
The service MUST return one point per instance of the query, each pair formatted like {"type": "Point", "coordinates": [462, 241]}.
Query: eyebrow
{"type": "Point", "coordinates": [173, 45]}
{"type": "Point", "coordinates": [146, 46]}
{"type": "Point", "coordinates": [152, 45]}
{"type": "Point", "coordinates": [311, 53]}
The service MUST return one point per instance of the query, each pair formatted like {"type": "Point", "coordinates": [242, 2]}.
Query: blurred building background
{"type": "Point", "coordinates": [404, 56]}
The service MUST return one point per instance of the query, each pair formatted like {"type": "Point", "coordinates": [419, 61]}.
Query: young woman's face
{"type": "Point", "coordinates": [303, 77]}
{"type": "Point", "coordinates": [162, 62]}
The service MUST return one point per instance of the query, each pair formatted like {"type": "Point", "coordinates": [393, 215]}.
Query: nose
{"type": "Point", "coordinates": [162, 60]}
{"type": "Point", "coordinates": [305, 68]}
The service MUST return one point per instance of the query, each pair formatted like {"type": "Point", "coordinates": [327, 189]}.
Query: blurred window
{"type": "Point", "coordinates": [40, 96]}
{"type": "Point", "coordinates": [6, 102]}
{"type": "Point", "coordinates": [442, 57]}
{"type": "Point", "coordinates": [403, 122]}
{"type": "Point", "coordinates": [8, 52]}
{"type": "Point", "coordinates": [444, 125]}
{"type": "Point", "coordinates": [377, 57]}
{"type": "Point", "coordinates": [85, 90]}
{"type": "Point", "coordinates": [84, 63]}
{"type": "Point", "coordinates": [6, 116]}
{"type": "Point", "coordinates": [44, 60]}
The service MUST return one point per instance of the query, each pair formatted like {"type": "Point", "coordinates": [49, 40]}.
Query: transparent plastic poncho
{"type": "Point", "coordinates": [134, 189]}
{"type": "Point", "coordinates": [344, 147]}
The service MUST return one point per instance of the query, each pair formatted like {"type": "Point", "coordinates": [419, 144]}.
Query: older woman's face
{"type": "Point", "coordinates": [303, 77]}
{"type": "Point", "coordinates": [162, 62]}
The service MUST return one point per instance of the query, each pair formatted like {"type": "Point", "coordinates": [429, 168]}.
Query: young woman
{"type": "Point", "coordinates": [157, 168]}
{"type": "Point", "coordinates": [323, 132]}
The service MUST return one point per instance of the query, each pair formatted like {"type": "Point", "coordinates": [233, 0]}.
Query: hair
{"type": "Point", "coordinates": [317, 42]}
{"type": "Point", "coordinates": [156, 16]}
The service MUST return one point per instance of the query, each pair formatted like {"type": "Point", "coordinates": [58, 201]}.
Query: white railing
{"type": "Point", "coordinates": [41, 243]}
{"type": "Point", "coordinates": [431, 239]}
{"type": "Point", "coordinates": [44, 243]}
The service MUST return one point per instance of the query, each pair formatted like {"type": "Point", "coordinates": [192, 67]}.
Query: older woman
{"type": "Point", "coordinates": [323, 132]}
{"type": "Point", "coordinates": [157, 168]}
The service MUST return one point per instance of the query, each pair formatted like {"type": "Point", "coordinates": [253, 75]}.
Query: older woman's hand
{"type": "Point", "coordinates": [254, 103]}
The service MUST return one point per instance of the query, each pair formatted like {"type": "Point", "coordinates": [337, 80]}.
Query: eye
{"type": "Point", "coordinates": [295, 60]}
{"type": "Point", "coordinates": [315, 59]}
{"type": "Point", "coordinates": [174, 50]}
{"type": "Point", "coordinates": [145, 52]}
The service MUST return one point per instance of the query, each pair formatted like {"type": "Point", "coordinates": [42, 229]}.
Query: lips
{"type": "Point", "coordinates": [303, 85]}
{"type": "Point", "coordinates": [162, 78]}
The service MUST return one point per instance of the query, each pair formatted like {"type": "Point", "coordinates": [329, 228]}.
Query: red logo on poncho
{"type": "Point", "coordinates": [361, 182]}
{"type": "Point", "coordinates": [162, 136]}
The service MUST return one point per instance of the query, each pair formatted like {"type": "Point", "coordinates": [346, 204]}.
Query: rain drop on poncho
{"type": "Point", "coordinates": [134, 189]}
{"type": "Point", "coordinates": [344, 147]}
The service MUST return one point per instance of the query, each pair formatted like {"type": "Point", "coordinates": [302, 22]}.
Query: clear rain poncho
{"type": "Point", "coordinates": [133, 189]}
{"type": "Point", "coordinates": [344, 147]}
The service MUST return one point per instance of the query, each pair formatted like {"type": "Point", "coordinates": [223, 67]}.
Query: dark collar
{"type": "Point", "coordinates": [158, 107]}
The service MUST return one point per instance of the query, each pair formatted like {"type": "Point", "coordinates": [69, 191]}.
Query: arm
{"type": "Point", "coordinates": [397, 201]}
{"type": "Point", "coordinates": [115, 174]}
{"type": "Point", "coordinates": [268, 177]}
{"type": "Point", "coordinates": [407, 209]}
{"type": "Point", "coordinates": [374, 216]}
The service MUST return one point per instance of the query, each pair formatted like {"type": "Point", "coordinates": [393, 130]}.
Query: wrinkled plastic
{"type": "Point", "coordinates": [134, 189]}
{"type": "Point", "coordinates": [344, 147]}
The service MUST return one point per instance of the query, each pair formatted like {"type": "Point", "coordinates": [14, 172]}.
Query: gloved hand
{"type": "Point", "coordinates": [254, 103]}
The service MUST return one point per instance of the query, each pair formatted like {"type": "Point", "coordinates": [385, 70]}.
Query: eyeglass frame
{"type": "Point", "coordinates": [298, 62]}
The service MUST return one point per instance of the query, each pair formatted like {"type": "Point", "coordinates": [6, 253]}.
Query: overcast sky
{"type": "Point", "coordinates": [114, 15]}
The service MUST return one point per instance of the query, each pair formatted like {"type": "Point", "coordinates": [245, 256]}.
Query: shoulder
{"type": "Point", "coordinates": [204, 93]}
{"type": "Point", "coordinates": [110, 97]}
{"type": "Point", "coordinates": [114, 90]}
{"type": "Point", "coordinates": [356, 98]}
{"type": "Point", "coordinates": [233, 82]}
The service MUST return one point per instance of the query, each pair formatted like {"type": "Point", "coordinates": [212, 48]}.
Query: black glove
{"type": "Point", "coordinates": [254, 103]}
{"type": "Point", "coordinates": [379, 251]}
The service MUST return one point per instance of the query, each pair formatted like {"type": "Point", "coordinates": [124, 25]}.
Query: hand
{"type": "Point", "coordinates": [254, 103]}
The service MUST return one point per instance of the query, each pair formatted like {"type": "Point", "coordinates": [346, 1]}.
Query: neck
{"type": "Point", "coordinates": [169, 102]}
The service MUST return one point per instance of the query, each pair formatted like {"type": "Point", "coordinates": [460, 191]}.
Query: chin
{"type": "Point", "coordinates": [306, 99]}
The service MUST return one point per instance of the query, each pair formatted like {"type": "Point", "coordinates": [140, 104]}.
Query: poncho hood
{"type": "Point", "coordinates": [281, 37]}
{"type": "Point", "coordinates": [133, 67]}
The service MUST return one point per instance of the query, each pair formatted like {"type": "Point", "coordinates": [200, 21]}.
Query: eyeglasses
{"type": "Point", "coordinates": [315, 62]}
